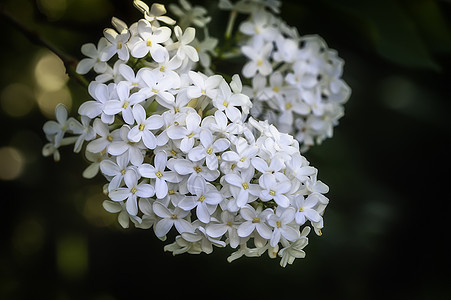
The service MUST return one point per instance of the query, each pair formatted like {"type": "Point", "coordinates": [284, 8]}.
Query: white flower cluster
{"type": "Point", "coordinates": [179, 151]}
{"type": "Point", "coordinates": [296, 82]}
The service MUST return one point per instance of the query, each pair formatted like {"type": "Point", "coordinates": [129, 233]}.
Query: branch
{"type": "Point", "coordinates": [33, 36]}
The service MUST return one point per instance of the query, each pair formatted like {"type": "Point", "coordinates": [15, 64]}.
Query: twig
{"type": "Point", "coordinates": [69, 62]}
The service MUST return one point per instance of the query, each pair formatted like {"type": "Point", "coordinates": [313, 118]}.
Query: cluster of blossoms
{"type": "Point", "coordinates": [295, 80]}
{"type": "Point", "coordinates": [179, 150]}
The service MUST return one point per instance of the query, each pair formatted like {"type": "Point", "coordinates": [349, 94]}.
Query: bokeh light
{"type": "Point", "coordinates": [50, 73]}
{"type": "Point", "coordinates": [53, 9]}
{"type": "Point", "coordinates": [17, 100]}
{"type": "Point", "coordinates": [28, 236]}
{"type": "Point", "coordinates": [11, 162]}
{"type": "Point", "coordinates": [48, 100]}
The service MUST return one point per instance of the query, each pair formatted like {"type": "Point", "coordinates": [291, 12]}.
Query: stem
{"type": "Point", "coordinates": [33, 36]}
{"type": "Point", "coordinates": [232, 18]}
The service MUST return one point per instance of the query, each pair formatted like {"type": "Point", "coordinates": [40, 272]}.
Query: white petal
{"type": "Point", "coordinates": [163, 227]}
{"type": "Point", "coordinates": [245, 229]}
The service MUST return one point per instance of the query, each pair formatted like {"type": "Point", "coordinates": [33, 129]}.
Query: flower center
{"type": "Point", "coordinates": [125, 105]}
{"type": "Point", "coordinates": [202, 198]}
{"type": "Point", "coordinates": [158, 174]}
{"type": "Point", "coordinates": [209, 150]}
{"type": "Point", "coordinates": [133, 190]}
{"type": "Point", "coordinates": [174, 216]}
{"type": "Point", "coordinates": [149, 43]}
{"type": "Point", "coordinates": [155, 91]}
{"type": "Point", "coordinates": [243, 159]}
{"type": "Point", "coordinates": [190, 135]}
{"type": "Point", "coordinates": [301, 209]}
{"type": "Point", "coordinates": [119, 46]}
{"type": "Point", "coordinates": [288, 105]}
{"type": "Point", "coordinates": [225, 103]}
{"type": "Point", "coordinates": [259, 62]}
{"type": "Point", "coordinates": [141, 127]}
{"type": "Point", "coordinates": [162, 68]}
{"type": "Point", "coordinates": [245, 185]}
{"type": "Point", "coordinates": [197, 169]}
{"type": "Point", "coordinates": [276, 89]}
{"type": "Point", "coordinates": [109, 138]}
{"type": "Point", "coordinates": [123, 171]}
{"type": "Point", "coordinates": [256, 220]}
{"type": "Point", "coordinates": [278, 224]}
{"type": "Point", "coordinates": [272, 192]}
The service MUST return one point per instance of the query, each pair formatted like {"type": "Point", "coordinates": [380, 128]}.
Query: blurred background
{"type": "Point", "coordinates": [387, 167]}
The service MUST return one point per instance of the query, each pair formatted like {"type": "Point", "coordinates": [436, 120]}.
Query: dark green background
{"type": "Point", "coordinates": [386, 227]}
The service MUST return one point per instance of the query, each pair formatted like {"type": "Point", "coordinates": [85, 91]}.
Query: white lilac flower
{"type": "Point", "coordinates": [280, 221]}
{"type": "Point", "coordinates": [188, 134]}
{"type": "Point", "coordinates": [259, 60]}
{"type": "Point", "coordinates": [93, 60]}
{"type": "Point", "coordinates": [176, 146]}
{"type": "Point", "coordinates": [155, 13]}
{"type": "Point", "coordinates": [254, 220]}
{"type": "Point", "coordinates": [144, 126]}
{"type": "Point", "coordinates": [170, 217]}
{"type": "Point", "coordinates": [274, 190]}
{"type": "Point", "coordinates": [206, 242]}
{"type": "Point", "coordinates": [190, 15]}
{"type": "Point", "coordinates": [241, 187]}
{"type": "Point", "coordinates": [158, 86]}
{"type": "Point", "coordinates": [58, 129]}
{"type": "Point", "coordinates": [205, 199]}
{"type": "Point", "coordinates": [124, 104]}
{"type": "Point", "coordinates": [306, 209]}
{"type": "Point", "coordinates": [150, 41]}
{"type": "Point", "coordinates": [118, 44]}
{"type": "Point", "coordinates": [116, 170]}
{"type": "Point", "coordinates": [184, 50]}
{"type": "Point", "coordinates": [159, 174]}
{"type": "Point", "coordinates": [104, 137]}
{"type": "Point", "coordinates": [228, 223]}
{"type": "Point", "coordinates": [294, 250]}
{"type": "Point", "coordinates": [131, 192]}
{"type": "Point", "coordinates": [208, 149]}
{"type": "Point", "coordinates": [124, 145]}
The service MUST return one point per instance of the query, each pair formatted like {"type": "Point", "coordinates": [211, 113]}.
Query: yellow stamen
{"type": "Point", "coordinates": [209, 150]}
{"type": "Point", "coordinates": [301, 209]}
{"type": "Point", "coordinates": [259, 62]}
{"type": "Point", "coordinates": [173, 153]}
{"type": "Point", "coordinates": [155, 91]}
{"type": "Point", "coordinates": [190, 135]}
{"type": "Point", "coordinates": [276, 89]}
{"type": "Point", "coordinates": [162, 68]}
{"type": "Point", "coordinates": [256, 220]}
{"type": "Point", "coordinates": [243, 159]}
{"type": "Point", "coordinates": [245, 186]}
{"type": "Point", "coordinates": [119, 45]}
{"type": "Point", "coordinates": [272, 192]}
{"type": "Point", "coordinates": [109, 138]}
{"type": "Point", "coordinates": [278, 224]}
{"type": "Point", "coordinates": [133, 190]}
{"type": "Point", "coordinates": [141, 127]}
{"type": "Point", "coordinates": [123, 171]}
{"type": "Point", "coordinates": [202, 198]}
{"type": "Point", "coordinates": [158, 174]}
{"type": "Point", "coordinates": [125, 105]}
{"type": "Point", "coordinates": [174, 216]}
{"type": "Point", "coordinates": [197, 169]}
{"type": "Point", "coordinates": [149, 43]}
{"type": "Point", "coordinates": [288, 105]}
{"type": "Point", "coordinates": [171, 192]}
{"type": "Point", "coordinates": [225, 103]}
